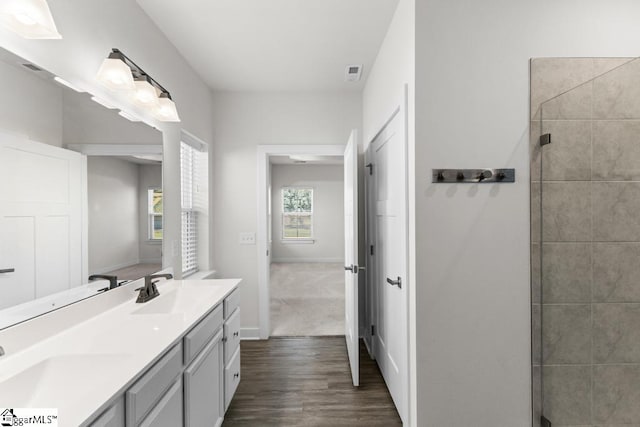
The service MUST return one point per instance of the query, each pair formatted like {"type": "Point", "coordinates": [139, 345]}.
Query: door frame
{"type": "Point", "coordinates": [399, 107]}
{"type": "Point", "coordinates": [263, 184]}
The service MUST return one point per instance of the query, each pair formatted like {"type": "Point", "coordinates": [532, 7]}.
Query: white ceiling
{"type": "Point", "coordinates": [275, 45]}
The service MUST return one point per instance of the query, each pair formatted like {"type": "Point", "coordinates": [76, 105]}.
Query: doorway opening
{"type": "Point", "coordinates": [306, 236]}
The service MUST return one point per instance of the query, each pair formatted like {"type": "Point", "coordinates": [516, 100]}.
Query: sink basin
{"type": "Point", "coordinates": [172, 302]}
{"type": "Point", "coordinates": [41, 385]}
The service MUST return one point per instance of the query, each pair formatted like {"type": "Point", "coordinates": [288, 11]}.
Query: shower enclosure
{"type": "Point", "coordinates": [585, 234]}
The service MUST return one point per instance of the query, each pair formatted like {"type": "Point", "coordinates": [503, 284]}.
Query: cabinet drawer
{"type": "Point", "coordinates": [231, 335]}
{"type": "Point", "coordinates": [231, 303]}
{"type": "Point", "coordinates": [168, 412]}
{"type": "Point", "coordinates": [147, 390]}
{"type": "Point", "coordinates": [203, 387]}
{"type": "Point", "coordinates": [231, 378]}
{"type": "Point", "coordinates": [201, 334]}
{"type": "Point", "coordinates": [112, 417]}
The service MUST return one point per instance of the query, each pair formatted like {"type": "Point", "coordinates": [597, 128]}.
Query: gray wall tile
{"type": "Point", "coordinates": [616, 272]}
{"type": "Point", "coordinates": [616, 333]}
{"type": "Point", "coordinates": [535, 211]}
{"type": "Point", "coordinates": [551, 77]}
{"type": "Point", "coordinates": [535, 273]}
{"type": "Point", "coordinates": [616, 94]}
{"type": "Point", "coordinates": [616, 393]}
{"type": "Point", "coordinates": [616, 211]}
{"type": "Point", "coordinates": [616, 150]}
{"type": "Point", "coordinates": [566, 335]}
{"type": "Point", "coordinates": [566, 211]}
{"type": "Point", "coordinates": [567, 394]}
{"type": "Point", "coordinates": [566, 272]}
{"type": "Point", "coordinates": [536, 337]}
{"type": "Point", "coordinates": [568, 158]}
{"type": "Point", "coordinates": [573, 104]}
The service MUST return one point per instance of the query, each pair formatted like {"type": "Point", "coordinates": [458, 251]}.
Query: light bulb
{"type": "Point", "coordinates": [30, 19]}
{"type": "Point", "coordinates": [146, 94]}
{"type": "Point", "coordinates": [115, 75]}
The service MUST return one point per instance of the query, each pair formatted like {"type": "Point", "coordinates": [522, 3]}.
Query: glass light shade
{"type": "Point", "coordinates": [145, 94]}
{"type": "Point", "coordinates": [115, 75]}
{"type": "Point", "coordinates": [30, 19]}
{"type": "Point", "coordinates": [166, 110]}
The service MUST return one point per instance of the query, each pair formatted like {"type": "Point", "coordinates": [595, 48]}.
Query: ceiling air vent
{"type": "Point", "coordinates": [31, 67]}
{"type": "Point", "coordinates": [353, 73]}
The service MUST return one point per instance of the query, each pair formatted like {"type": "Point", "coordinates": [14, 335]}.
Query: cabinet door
{"type": "Point", "coordinates": [203, 387]}
{"type": "Point", "coordinates": [232, 336]}
{"type": "Point", "coordinates": [168, 411]}
{"type": "Point", "coordinates": [112, 417]}
{"type": "Point", "coordinates": [231, 378]}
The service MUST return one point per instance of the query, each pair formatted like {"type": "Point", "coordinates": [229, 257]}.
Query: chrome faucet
{"type": "Point", "coordinates": [150, 291]}
{"type": "Point", "coordinates": [113, 280]}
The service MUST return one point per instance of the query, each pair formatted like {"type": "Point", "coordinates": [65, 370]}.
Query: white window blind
{"type": "Point", "coordinates": [188, 162]}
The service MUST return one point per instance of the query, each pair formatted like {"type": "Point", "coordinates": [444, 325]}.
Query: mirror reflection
{"type": "Point", "coordinates": [80, 194]}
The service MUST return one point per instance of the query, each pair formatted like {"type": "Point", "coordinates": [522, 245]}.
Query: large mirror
{"type": "Point", "coordinates": [80, 194]}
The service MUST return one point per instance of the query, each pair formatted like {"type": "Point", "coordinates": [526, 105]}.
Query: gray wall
{"type": "Point", "coordinates": [589, 301]}
{"type": "Point", "coordinates": [113, 213]}
{"type": "Point", "coordinates": [242, 121]}
{"type": "Point", "coordinates": [328, 212]}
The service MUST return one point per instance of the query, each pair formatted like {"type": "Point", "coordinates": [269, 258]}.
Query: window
{"type": "Point", "coordinates": [297, 213]}
{"type": "Point", "coordinates": [155, 213]}
{"type": "Point", "coordinates": [189, 214]}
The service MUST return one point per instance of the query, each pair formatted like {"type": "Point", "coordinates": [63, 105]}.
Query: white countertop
{"type": "Point", "coordinates": [81, 368]}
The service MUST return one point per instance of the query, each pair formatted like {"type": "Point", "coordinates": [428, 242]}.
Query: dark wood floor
{"type": "Point", "coordinates": [306, 381]}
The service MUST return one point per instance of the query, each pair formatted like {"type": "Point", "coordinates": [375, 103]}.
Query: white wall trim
{"type": "Point", "coordinates": [264, 152]}
{"type": "Point", "coordinates": [115, 149]}
{"type": "Point", "coordinates": [315, 260]}
{"type": "Point", "coordinates": [249, 334]}
{"type": "Point", "coordinates": [150, 261]}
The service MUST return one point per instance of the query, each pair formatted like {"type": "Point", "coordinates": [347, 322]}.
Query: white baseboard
{"type": "Point", "coordinates": [249, 333]}
{"type": "Point", "coordinates": [318, 260]}
{"type": "Point", "coordinates": [151, 261]}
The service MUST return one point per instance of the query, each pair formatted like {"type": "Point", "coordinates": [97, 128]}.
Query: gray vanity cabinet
{"type": "Point", "coordinates": [112, 417]}
{"type": "Point", "coordinates": [190, 385]}
{"type": "Point", "coordinates": [203, 387]}
{"type": "Point", "coordinates": [168, 412]}
{"type": "Point", "coordinates": [231, 346]}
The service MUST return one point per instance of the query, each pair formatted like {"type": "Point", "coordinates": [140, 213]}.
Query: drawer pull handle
{"type": "Point", "coordinates": [235, 334]}
{"type": "Point", "coordinates": [236, 375]}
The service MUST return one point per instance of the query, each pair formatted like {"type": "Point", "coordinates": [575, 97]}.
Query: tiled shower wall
{"type": "Point", "coordinates": [586, 257]}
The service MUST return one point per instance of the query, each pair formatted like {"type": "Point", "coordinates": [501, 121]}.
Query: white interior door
{"type": "Point", "coordinates": [391, 339]}
{"type": "Point", "coordinates": [41, 222]}
{"type": "Point", "coordinates": [351, 255]}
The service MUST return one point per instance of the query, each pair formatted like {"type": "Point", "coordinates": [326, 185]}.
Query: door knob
{"type": "Point", "coordinates": [354, 269]}
{"type": "Point", "coordinates": [397, 283]}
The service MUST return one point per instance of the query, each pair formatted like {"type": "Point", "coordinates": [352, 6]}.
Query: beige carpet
{"type": "Point", "coordinates": [307, 299]}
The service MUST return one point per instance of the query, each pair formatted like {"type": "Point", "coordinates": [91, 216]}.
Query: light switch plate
{"type": "Point", "coordinates": [247, 238]}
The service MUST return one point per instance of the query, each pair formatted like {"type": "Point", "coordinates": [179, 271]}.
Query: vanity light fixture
{"type": "Point", "coordinates": [115, 74]}
{"type": "Point", "coordinates": [118, 72]}
{"type": "Point", "coordinates": [166, 110]}
{"type": "Point", "coordinates": [145, 94]}
{"type": "Point", "coordinates": [30, 19]}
